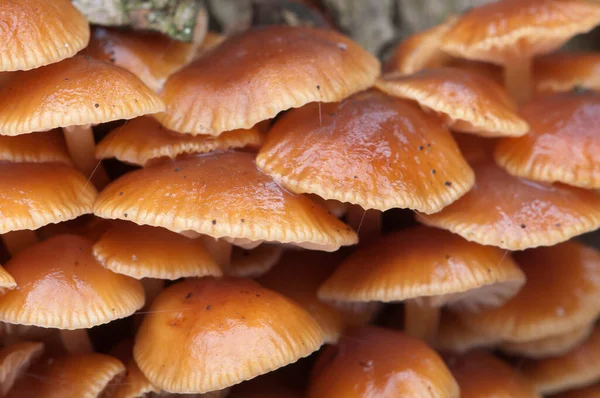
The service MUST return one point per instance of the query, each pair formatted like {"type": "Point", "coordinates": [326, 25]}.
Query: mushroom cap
{"type": "Point", "coordinates": [468, 101]}
{"type": "Point", "coordinates": [253, 262]}
{"type": "Point", "coordinates": [577, 368]}
{"type": "Point", "coordinates": [141, 251]}
{"type": "Point", "coordinates": [36, 194]}
{"type": "Point", "coordinates": [15, 359]}
{"type": "Point", "coordinates": [481, 375]}
{"type": "Point", "coordinates": [566, 71]}
{"type": "Point", "coordinates": [425, 263]}
{"type": "Point", "coordinates": [454, 336]}
{"type": "Point", "coordinates": [42, 147]}
{"type": "Point", "coordinates": [500, 31]}
{"type": "Point", "coordinates": [372, 150]}
{"type": "Point", "coordinates": [257, 74]}
{"type": "Point", "coordinates": [208, 334]}
{"type": "Point", "coordinates": [143, 139]}
{"type": "Point", "coordinates": [298, 276]}
{"type": "Point", "coordinates": [549, 346]}
{"type": "Point", "coordinates": [221, 195]}
{"type": "Point", "coordinates": [149, 55]}
{"type": "Point", "coordinates": [563, 144]}
{"type": "Point", "coordinates": [84, 375]}
{"type": "Point", "coordinates": [378, 362]}
{"type": "Point", "coordinates": [491, 71]}
{"type": "Point", "coordinates": [40, 32]}
{"type": "Point", "coordinates": [61, 285]}
{"type": "Point", "coordinates": [134, 384]}
{"type": "Point", "coordinates": [420, 51]}
{"type": "Point", "coordinates": [562, 293]}
{"type": "Point", "coordinates": [584, 392]}
{"type": "Point", "coordinates": [7, 282]}
{"type": "Point", "coordinates": [77, 91]}
{"type": "Point", "coordinates": [515, 214]}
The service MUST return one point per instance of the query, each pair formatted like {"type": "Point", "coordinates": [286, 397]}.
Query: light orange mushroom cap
{"type": "Point", "coordinates": [372, 150]}
{"type": "Point", "coordinates": [40, 32]}
{"type": "Point", "coordinates": [428, 264]}
{"type": "Point", "coordinates": [134, 384]}
{"type": "Point", "coordinates": [61, 285]}
{"type": "Point", "coordinates": [15, 360]}
{"type": "Point", "coordinates": [181, 196]}
{"type": "Point", "coordinates": [151, 56]}
{"type": "Point", "coordinates": [43, 147]}
{"type": "Point", "coordinates": [577, 368]}
{"type": "Point", "coordinates": [76, 91]}
{"type": "Point", "coordinates": [515, 214]}
{"type": "Point", "coordinates": [141, 251]}
{"type": "Point", "coordinates": [85, 375]}
{"type": "Point", "coordinates": [375, 362]}
{"type": "Point", "coordinates": [565, 71]}
{"type": "Point", "coordinates": [481, 375]}
{"type": "Point", "coordinates": [563, 144]}
{"type": "Point", "coordinates": [36, 194]}
{"type": "Point", "coordinates": [584, 392]}
{"type": "Point", "coordinates": [254, 262]}
{"type": "Point", "coordinates": [207, 334]}
{"type": "Point", "coordinates": [562, 293]}
{"type": "Point", "coordinates": [500, 31]}
{"type": "Point", "coordinates": [467, 101]}
{"type": "Point", "coordinates": [143, 139]}
{"type": "Point", "coordinates": [257, 74]}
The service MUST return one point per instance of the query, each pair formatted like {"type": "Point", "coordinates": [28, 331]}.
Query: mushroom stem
{"type": "Point", "coordinates": [152, 287]}
{"type": "Point", "coordinates": [219, 249]}
{"type": "Point", "coordinates": [76, 341]}
{"type": "Point", "coordinates": [367, 223]}
{"type": "Point", "coordinates": [81, 146]}
{"type": "Point", "coordinates": [15, 241]}
{"type": "Point", "coordinates": [421, 320]}
{"type": "Point", "coordinates": [517, 79]}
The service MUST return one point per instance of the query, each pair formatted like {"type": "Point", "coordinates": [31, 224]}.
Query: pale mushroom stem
{"type": "Point", "coordinates": [81, 146]}
{"type": "Point", "coordinates": [367, 223]}
{"type": "Point", "coordinates": [152, 287]}
{"type": "Point", "coordinates": [421, 320]}
{"type": "Point", "coordinates": [15, 241]}
{"type": "Point", "coordinates": [219, 249]}
{"type": "Point", "coordinates": [76, 341]}
{"type": "Point", "coordinates": [517, 79]}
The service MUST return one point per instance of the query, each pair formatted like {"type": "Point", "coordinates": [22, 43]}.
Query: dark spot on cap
{"type": "Point", "coordinates": [125, 214]}
{"type": "Point", "coordinates": [355, 176]}
{"type": "Point", "coordinates": [421, 147]}
{"type": "Point", "coordinates": [447, 256]}
{"type": "Point", "coordinates": [97, 105]}
{"type": "Point", "coordinates": [67, 78]}
{"type": "Point", "coordinates": [448, 184]}
{"type": "Point", "coordinates": [187, 296]}
{"type": "Point", "coordinates": [433, 171]}
{"type": "Point", "coordinates": [557, 224]}
{"type": "Point", "coordinates": [208, 307]}
{"type": "Point", "coordinates": [214, 222]}
{"type": "Point", "coordinates": [243, 220]}
{"type": "Point", "coordinates": [523, 226]}
{"type": "Point", "coordinates": [178, 169]}
{"type": "Point", "coordinates": [120, 193]}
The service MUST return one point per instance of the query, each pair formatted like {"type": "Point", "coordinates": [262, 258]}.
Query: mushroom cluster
{"type": "Point", "coordinates": [292, 221]}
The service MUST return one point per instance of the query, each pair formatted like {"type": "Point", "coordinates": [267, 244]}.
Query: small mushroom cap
{"type": "Point", "coordinates": [420, 51]}
{"type": "Point", "coordinates": [549, 346]}
{"type": "Point", "coordinates": [7, 282]}
{"type": "Point", "coordinates": [516, 214]}
{"type": "Point", "coordinates": [40, 32]}
{"type": "Point", "coordinates": [584, 392]}
{"type": "Point", "coordinates": [41, 147]}
{"type": "Point", "coordinates": [181, 196]}
{"type": "Point", "coordinates": [141, 251]}
{"type": "Point", "coordinates": [298, 276]}
{"type": "Point", "coordinates": [15, 359]}
{"type": "Point", "coordinates": [372, 150]}
{"type": "Point", "coordinates": [376, 362]}
{"type": "Point", "coordinates": [151, 56]}
{"type": "Point", "coordinates": [500, 31]}
{"type": "Point", "coordinates": [491, 71]}
{"type": "Point", "coordinates": [563, 144]}
{"type": "Point", "coordinates": [143, 139]}
{"type": "Point", "coordinates": [134, 384]}
{"type": "Point", "coordinates": [253, 262]}
{"type": "Point", "coordinates": [425, 263]}
{"type": "Point", "coordinates": [76, 91]}
{"type": "Point", "coordinates": [73, 376]}
{"type": "Point", "coordinates": [481, 375]}
{"type": "Point", "coordinates": [577, 368]}
{"type": "Point", "coordinates": [454, 336]}
{"type": "Point", "coordinates": [36, 194]}
{"type": "Point", "coordinates": [208, 334]}
{"type": "Point", "coordinates": [562, 293]}
{"type": "Point", "coordinates": [61, 285]}
{"type": "Point", "coordinates": [468, 101]}
{"type": "Point", "coordinates": [257, 74]}
{"type": "Point", "coordinates": [560, 72]}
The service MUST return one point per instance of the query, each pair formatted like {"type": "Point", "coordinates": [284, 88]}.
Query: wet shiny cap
{"type": "Point", "coordinates": [500, 31]}
{"type": "Point", "coordinates": [40, 32]}
{"type": "Point", "coordinates": [560, 72]}
{"type": "Point", "coordinates": [372, 150]}
{"type": "Point", "coordinates": [207, 334]}
{"type": "Point", "coordinates": [221, 195]}
{"type": "Point", "coordinates": [255, 75]}
{"type": "Point", "coordinates": [41, 147]}
{"type": "Point", "coordinates": [377, 362]}
{"type": "Point", "coordinates": [61, 285]}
